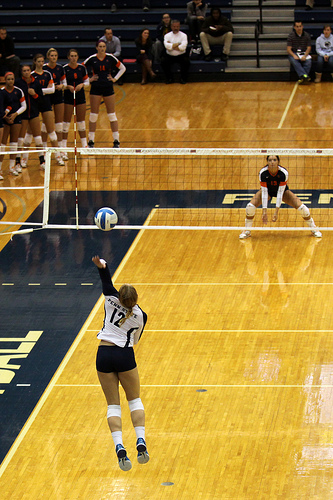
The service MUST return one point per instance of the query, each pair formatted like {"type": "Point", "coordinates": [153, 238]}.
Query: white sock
{"type": "Point", "coordinates": [64, 143]}
{"type": "Point", "coordinates": [84, 142]}
{"type": "Point", "coordinates": [44, 145]}
{"type": "Point", "coordinates": [91, 136]}
{"type": "Point", "coordinates": [115, 136]}
{"type": "Point", "coordinates": [117, 437]}
{"type": "Point", "coordinates": [140, 431]}
{"type": "Point", "coordinates": [248, 223]}
{"type": "Point", "coordinates": [310, 222]}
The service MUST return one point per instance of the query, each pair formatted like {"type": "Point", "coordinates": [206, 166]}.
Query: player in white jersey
{"type": "Point", "coordinates": [123, 325]}
{"type": "Point", "coordinates": [273, 182]}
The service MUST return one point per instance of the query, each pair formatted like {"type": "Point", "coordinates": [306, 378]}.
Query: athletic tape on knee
{"type": "Point", "coordinates": [38, 140]}
{"type": "Point", "coordinates": [58, 127]}
{"type": "Point", "coordinates": [27, 139]}
{"type": "Point", "coordinates": [53, 136]}
{"type": "Point", "coordinates": [250, 210]}
{"type": "Point", "coordinates": [305, 212]}
{"type": "Point", "coordinates": [65, 127]}
{"type": "Point", "coordinates": [81, 126]}
{"type": "Point", "coordinates": [13, 146]}
{"type": "Point", "coordinates": [112, 117]}
{"type": "Point", "coordinates": [135, 404]}
{"type": "Point", "coordinates": [114, 411]}
{"type": "Point", "coordinates": [43, 128]}
{"type": "Point", "coordinates": [93, 117]}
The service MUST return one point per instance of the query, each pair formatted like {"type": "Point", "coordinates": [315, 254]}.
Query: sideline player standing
{"type": "Point", "coordinates": [123, 325]}
{"type": "Point", "coordinates": [99, 66]}
{"type": "Point", "coordinates": [273, 181]}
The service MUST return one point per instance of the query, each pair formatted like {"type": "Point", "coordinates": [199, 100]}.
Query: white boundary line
{"type": "Point", "coordinates": [66, 359]}
{"type": "Point", "coordinates": [288, 106]}
{"type": "Point", "coordinates": [203, 386]}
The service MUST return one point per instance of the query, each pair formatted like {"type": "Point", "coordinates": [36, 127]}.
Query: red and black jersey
{"type": "Point", "coordinates": [13, 100]}
{"type": "Point", "coordinates": [31, 100]}
{"type": "Point", "coordinates": [43, 79]}
{"type": "Point", "coordinates": [102, 68]}
{"type": "Point", "coordinates": [75, 76]}
{"type": "Point", "coordinates": [273, 182]}
{"type": "Point", "coordinates": [58, 73]}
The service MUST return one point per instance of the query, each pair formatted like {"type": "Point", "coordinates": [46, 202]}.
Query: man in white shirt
{"type": "Point", "coordinates": [175, 44]}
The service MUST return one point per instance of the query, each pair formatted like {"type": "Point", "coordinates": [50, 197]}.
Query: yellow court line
{"type": "Point", "coordinates": [68, 356]}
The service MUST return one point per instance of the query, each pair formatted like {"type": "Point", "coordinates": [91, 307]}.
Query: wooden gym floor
{"type": "Point", "coordinates": [236, 359]}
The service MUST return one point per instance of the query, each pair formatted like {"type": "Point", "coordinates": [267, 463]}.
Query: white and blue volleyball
{"type": "Point", "coordinates": [106, 218]}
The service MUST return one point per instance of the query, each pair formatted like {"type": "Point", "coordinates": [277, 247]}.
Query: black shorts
{"type": "Point", "coordinates": [33, 114]}
{"type": "Point", "coordinates": [44, 104]}
{"type": "Point", "coordinates": [101, 89]}
{"type": "Point", "coordinates": [272, 194]}
{"type": "Point", "coordinates": [80, 97]}
{"type": "Point", "coordinates": [17, 120]}
{"type": "Point", "coordinates": [57, 97]}
{"type": "Point", "coordinates": [115, 359]}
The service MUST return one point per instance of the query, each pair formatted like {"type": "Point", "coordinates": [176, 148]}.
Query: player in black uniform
{"type": "Point", "coordinates": [2, 111]}
{"type": "Point", "coordinates": [30, 127]}
{"type": "Point", "coordinates": [45, 80]}
{"type": "Point", "coordinates": [57, 98]}
{"type": "Point", "coordinates": [273, 181]}
{"type": "Point", "coordinates": [76, 78]}
{"type": "Point", "coordinates": [14, 105]}
{"type": "Point", "coordinates": [115, 362]}
{"type": "Point", "coordinates": [99, 66]}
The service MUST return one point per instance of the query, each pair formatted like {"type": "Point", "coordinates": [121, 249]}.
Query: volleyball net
{"type": "Point", "coordinates": [165, 188]}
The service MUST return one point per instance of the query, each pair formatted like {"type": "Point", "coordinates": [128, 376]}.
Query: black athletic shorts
{"type": "Point", "coordinates": [80, 97]}
{"type": "Point", "coordinates": [33, 114]}
{"type": "Point", "coordinates": [101, 89]}
{"type": "Point", "coordinates": [115, 359]}
{"type": "Point", "coordinates": [57, 97]}
{"type": "Point", "coordinates": [44, 104]}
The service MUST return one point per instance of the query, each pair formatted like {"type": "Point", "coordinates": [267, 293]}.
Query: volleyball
{"type": "Point", "coordinates": [106, 218]}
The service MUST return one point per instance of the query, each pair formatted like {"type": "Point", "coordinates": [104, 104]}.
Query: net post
{"type": "Point", "coordinates": [46, 205]}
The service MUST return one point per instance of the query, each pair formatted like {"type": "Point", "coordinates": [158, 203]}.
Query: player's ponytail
{"type": "Point", "coordinates": [128, 297]}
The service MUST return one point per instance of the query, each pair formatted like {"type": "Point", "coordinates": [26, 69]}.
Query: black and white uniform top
{"type": "Point", "coordinates": [14, 102]}
{"type": "Point", "coordinates": [103, 69]}
{"type": "Point", "coordinates": [273, 186]}
{"type": "Point", "coordinates": [58, 74]}
{"type": "Point", "coordinates": [32, 110]}
{"type": "Point", "coordinates": [127, 334]}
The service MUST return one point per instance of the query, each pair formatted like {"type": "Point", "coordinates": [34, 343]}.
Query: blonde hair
{"type": "Point", "coordinates": [51, 50]}
{"type": "Point", "coordinates": [128, 297]}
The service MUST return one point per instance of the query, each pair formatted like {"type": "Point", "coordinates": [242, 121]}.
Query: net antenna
{"type": "Point", "coordinates": [180, 189]}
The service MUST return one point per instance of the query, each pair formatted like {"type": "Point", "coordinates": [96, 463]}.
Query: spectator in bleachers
{"type": "Point", "coordinates": [144, 56]}
{"type": "Point", "coordinates": [113, 46]}
{"type": "Point", "coordinates": [299, 48]}
{"type": "Point", "coordinates": [162, 29]}
{"type": "Point", "coordinates": [216, 30]}
{"type": "Point", "coordinates": [324, 49]}
{"type": "Point", "coordinates": [310, 3]}
{"type": "Point", "coordinates": [8, 60]}
{"type": "Point", "coordinates": [196, 13]}
{"type": "Point", "coordinates": [175, 44]}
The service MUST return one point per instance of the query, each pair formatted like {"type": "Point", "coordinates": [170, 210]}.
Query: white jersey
{"type": "Point", "coordinates": [127, 334]}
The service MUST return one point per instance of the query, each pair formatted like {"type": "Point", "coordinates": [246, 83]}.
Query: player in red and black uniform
{"type": "Point", "coordinates": [76, 78]}
{"type": "Point", "coordinates": [273, 181]}
{"type": "Point", "coordinates": [30, 127]}
{"type": "Point", "coordinates": [14, 105]}
{"type": "Point", "coordinates": [57, 98]}
{"type": "Point", "coordinates": [2, 112]}
{"type": "Point", "coordinates": [45, 80]}
{"type": "Point", "coordinates": [99, 66]}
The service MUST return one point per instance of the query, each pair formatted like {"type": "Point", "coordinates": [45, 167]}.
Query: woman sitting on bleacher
{"type": "Point", "coordinates": [144, 56]}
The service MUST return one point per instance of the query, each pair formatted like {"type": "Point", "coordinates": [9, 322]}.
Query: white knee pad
{"type": "Point", "coordinates": [65, 127]}
{"type": "Point", "coordinates": [53, 136]}
{"type": "Point", "coordinates": [135, 404]}
{"type": "Point", "coordinates": [93, 117]}
{"type": "Point", "coordinates": [305, 212]}
{"type": "Point", "coordinates": [58, 127]}
{"type": "Point", "coordinates": [114, 411]}
{"type": "Point", "coordinates": [112, 117]}
{"type": "Point", "coordinates": [43, 128]}
{"type": "Point", "coordinates": [38, 140]}
{"type": "Point", "coordinates": [13, 146]}
{"type": "Point", "coordinates": [27, 139]}
{"type": "Point", "coordinates": [250, 210]}
{"type": "Point", "coordinates": [81, 126]}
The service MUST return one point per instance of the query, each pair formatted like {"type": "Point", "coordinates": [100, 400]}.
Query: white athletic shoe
{"type": "Point", "coordinates": [245, 234]}
{"type": "Point", "coordinates": [123, 460]}
{"type": "Point", "coordinates": [13, 170]}
{"type": "Point", "coordinates": [23, 163]}
{"type": "Point", "coordinates": [60, 161]}
{"type": "Point", "coordinates": [18, 168]}
{"type": "Point", "coordinates": [64, 155]}
{"type": "Point", "coordinates": [316, 233]}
